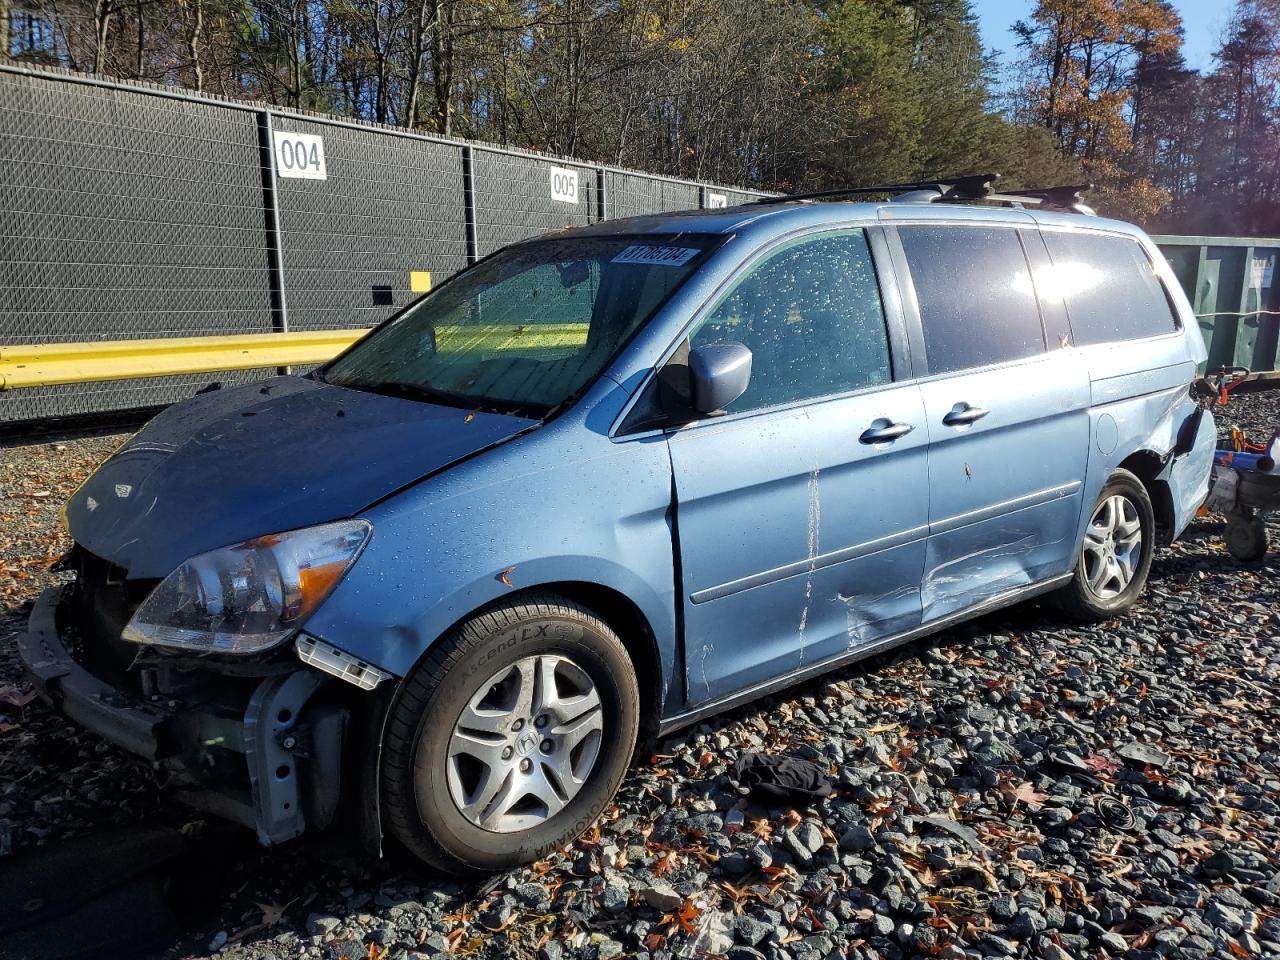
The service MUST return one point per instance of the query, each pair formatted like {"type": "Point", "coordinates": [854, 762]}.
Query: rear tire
{"type": "Point", "coordinates": [510, 737]}
{"type": "Point", "coordinates": [1246, 537]}
{"type": "Point", "coordinates": [1115, 555]}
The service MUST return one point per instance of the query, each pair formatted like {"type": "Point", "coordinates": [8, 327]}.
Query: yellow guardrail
{"type": "Point", "coordinates": [51, 364]}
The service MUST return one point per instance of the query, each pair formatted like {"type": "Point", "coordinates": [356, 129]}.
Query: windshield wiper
{"type": "Point", "coordinates": [425, 394]}
{"type": "Point", "coordinates": [412, 391]}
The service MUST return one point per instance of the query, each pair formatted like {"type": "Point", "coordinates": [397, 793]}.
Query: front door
{"type": "Point", "coordinates": [1008, 417]}
{"type": "Point", "coordinates": [802, 513]}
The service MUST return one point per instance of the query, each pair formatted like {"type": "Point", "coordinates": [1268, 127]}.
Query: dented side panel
{"type": "Point", "coordinates": [1005, 492]}
{"type": "Point", "coordinates": [798, 542]}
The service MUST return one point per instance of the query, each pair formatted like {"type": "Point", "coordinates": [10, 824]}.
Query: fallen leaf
{"type": "Point", "coordinates": [1025, 793]}
{"type": "Point", "coordinates": [1100, 764]}
{"type": "Point", "coordinates": [687, 916]}
{"type": "Point", "coordinates": [273, 913]}
{"type": "Point", "coordinates": [15, 698]}
{"type": "Point", "coordinates": [1236, 949]}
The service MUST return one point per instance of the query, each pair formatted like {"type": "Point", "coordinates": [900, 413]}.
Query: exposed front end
{"type": "Point", "coordinates": [259, 739]}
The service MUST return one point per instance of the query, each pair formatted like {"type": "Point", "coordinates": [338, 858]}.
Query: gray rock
{"type": "Point", "coordinates": [1026, 924]}
{"type": "Point", "coordinates": [796, 847]}
{"type": "Point", "coordinates": [1113, 942]}
{"type": "Point", "coordinates": [1223, 918]}
{"type": "Point", "coordinates": [1000, 946]}
{"type": "Point", "coordinates": [810, 836]}
{"type": "Point", "coordinates": [760, 856]}
{"type": "Point", "coordinates": [662, 897]}
{"type": "Point", "coordinates": [1143, 754]}
{"type": "Point", "coordinates": [615, 898]}
{"type": "Point", "coordinates": [435, 945]}
{"type": "Point", "coordinates": [403, 908]}
{"type": "Point", "coordinates": [1002, 907]}
{"type": "Point", "coordinates": [322, 925]}
{"type": "Point", "coordinates": [1048, 950]}
{"type": "Point", "coordinates": [608, 949]}
{"type": "Point", "coordinates": [857, 838]}
{"type": "Point", "coordinates": [533, 895]}
{"type": "Point", "coordinates": [967, 834]}
{"type": "Point", "coordinates": [751, 931]}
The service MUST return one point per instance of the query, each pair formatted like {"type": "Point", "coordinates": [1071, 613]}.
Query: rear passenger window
{"type": "Point", "coordinates": [1109, 286]}
{"type": "Point", "coordinates": [812, 317]}
{"type": "Point", "coordinates": [977, 304]}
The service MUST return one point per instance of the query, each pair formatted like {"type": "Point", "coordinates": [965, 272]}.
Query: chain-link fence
{"type": "Point", "coordinates": [131, 211]}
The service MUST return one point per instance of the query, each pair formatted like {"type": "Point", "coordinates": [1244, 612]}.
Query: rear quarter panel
{"type": "Point", "coordinates": [1140, 401]}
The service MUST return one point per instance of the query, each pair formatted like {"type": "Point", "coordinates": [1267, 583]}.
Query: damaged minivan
{"type": "Point", "coordinates": [609, 482]}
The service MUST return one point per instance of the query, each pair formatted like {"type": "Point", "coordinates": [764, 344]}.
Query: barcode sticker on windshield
{"type": "Point", "coordinates": [663, 256]}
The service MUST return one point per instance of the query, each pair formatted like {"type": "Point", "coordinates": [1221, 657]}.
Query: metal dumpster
{"type": "Point", "coordinates": [1232, 285]}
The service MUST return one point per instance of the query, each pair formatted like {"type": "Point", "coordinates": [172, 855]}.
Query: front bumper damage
{"type": "Point", "coordinates": [264, 750]}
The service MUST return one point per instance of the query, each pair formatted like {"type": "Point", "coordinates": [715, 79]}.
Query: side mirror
{"type": "Point", "coordinates": [718, 375]}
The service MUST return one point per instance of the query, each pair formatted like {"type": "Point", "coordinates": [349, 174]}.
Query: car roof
{"type": "Point", "coordinates": [763, 220]}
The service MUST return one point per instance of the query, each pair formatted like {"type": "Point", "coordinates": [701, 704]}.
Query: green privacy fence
{"type": "Point", "coordinates": [1233, 286]}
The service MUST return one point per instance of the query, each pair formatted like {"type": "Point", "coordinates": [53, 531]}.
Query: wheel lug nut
{"type": "Point", "coordinates": [506, 753]}
{"type": "Point", "coordinates": [540, 722]}
{"type": "Point", "coordinates": [517, 725]}
{"type": "Point", "coordinates": [547, 746]}
{"type": "Point", "coordinates": [526, 765]}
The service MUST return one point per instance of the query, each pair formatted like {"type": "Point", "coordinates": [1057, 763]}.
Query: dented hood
{"type": "Point", "coordinates": [233, 464]}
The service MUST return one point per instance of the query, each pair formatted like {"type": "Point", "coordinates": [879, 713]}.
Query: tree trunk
{"type": "Point", "coordinates": [142, 38]}
{"type": "Point", "coordinates": [193, 43]}
{"type": "Point", "coordinates": [442, 67]}
{"type": "Point", "coordinates": [102, 27]}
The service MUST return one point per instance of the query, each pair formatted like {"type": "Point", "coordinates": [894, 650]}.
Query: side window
{"type": "Point", "coordinates": [977, 304]}
{"type": "Point", "coordinates": [812, 317]}
{"type": "Point", "coordinates": [1109, 286]}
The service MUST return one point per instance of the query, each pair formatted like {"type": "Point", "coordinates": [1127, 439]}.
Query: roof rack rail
{"type": "Point", "coordinates": [972, 187]}
{"type": "Point", "coordinates": [1064, 197]}
{"type": "Point", "coordinates": [966, 189]}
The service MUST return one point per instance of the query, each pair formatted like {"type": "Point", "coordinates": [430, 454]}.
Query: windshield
{"type": "Point", "coordinates": [527, 329]}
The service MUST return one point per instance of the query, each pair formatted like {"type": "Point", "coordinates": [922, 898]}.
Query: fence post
{"type": "Point", "coordinates": [1246, 275]}
{"type": "Point", "coordinates": [469, 206]}
{"type": "Point", "coordinates": [602, 196]}
{"type": "Point", "coordinates": [271, 206]}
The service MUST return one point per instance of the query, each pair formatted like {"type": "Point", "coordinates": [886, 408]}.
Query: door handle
{"type": "Point", "coordinates": [962, 413]}
{"type": "Point", "coordinates": [883, 434]}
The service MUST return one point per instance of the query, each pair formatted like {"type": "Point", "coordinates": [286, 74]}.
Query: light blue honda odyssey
{"type": "Point", "coordinates": [614, 480]}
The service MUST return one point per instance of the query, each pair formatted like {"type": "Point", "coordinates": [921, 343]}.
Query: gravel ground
{"type": "Point", "coordinates": [1016, 787]}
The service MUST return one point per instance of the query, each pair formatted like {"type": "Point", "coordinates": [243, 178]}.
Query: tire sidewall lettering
{"type": "Point", "coordinates": [539, 633]}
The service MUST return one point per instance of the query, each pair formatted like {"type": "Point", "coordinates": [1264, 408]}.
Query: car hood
{"type": "Point", "coordinates": [286, 453]}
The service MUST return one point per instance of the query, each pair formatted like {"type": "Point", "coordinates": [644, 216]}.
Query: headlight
{"type": "Point", "coordinates": [249, 597]}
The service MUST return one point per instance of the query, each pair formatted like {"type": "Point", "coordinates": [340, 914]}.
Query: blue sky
{"type": "Point", "coordinates": [1203, 21]}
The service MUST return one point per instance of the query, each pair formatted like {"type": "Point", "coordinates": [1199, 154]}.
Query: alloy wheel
{"type": "Point", "coordinates": [525, 743]}
{"type": "Point", "coordinates": [1112, 547]}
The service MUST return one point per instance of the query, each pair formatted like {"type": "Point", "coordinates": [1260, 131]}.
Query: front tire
{"type": "Point", "coordinates": [510, 737]}
{"type": "Point", "coordinates": [1115, 555]}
